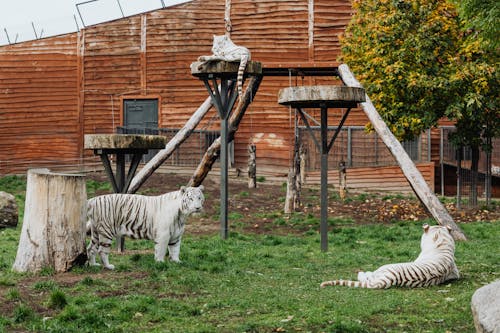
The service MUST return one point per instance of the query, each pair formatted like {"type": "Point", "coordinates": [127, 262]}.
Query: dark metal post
{"type": "Point", "coordinates": [324, 178]}
{"type": "Point", "coordinates": [223, 177]}
{"type": "Point", "coordinates": [224, 102]}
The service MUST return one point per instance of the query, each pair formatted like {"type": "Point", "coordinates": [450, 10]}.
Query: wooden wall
{"type": "Point", "coordinates": [57, 89]}
{"type": "Point", "coordinates": [389, 178]}
{"type": "Point", "coordinates": [149, 56]}
{"type": "Point", "coordinates": [39, 119]}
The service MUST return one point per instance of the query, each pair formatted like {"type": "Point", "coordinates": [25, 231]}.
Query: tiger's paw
{"type": "Point", "coordinates": [110, 267]}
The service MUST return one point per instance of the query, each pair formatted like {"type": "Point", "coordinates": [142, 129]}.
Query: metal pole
{"type": "Point", "coordinates": [223, 177]}
{"type": "Point", "coordinates": [441, 159]}
{"type": "Point", "coordinates": [7, 34]}
{"type": "Point", "coordinates": [324, 179]}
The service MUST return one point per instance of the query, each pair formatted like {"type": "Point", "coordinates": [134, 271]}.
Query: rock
{"type": "Point", "coordinates": [485, 306]}
{"type": "Point", "coordinates": [8, 210]}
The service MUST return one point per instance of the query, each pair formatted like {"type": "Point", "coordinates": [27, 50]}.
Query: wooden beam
{"type": "Point", "coordinates": [417, 182]}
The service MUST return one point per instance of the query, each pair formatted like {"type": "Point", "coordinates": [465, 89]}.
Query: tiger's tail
{"type": "Point", "coordinates": [241, 72]}
{"type": "Point", "coordinates": [347, 283]}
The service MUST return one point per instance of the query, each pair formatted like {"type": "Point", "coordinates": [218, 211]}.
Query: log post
{"type": "Point", "coordinates": [252, 166]}
{"type": "Point", "coordinates": [290, 192]}
{"type": "Point", "coordinates": [342, 180]}
{"type": "Point", "coordinates": [303, 158]}
{"type": "Point", "coordinates": [53, 231]}
{"type": "Point", "coordinates": [414, 177]}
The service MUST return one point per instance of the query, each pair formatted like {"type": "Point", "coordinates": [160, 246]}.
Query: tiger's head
{"type": "Point", "coordinates": [437, 238]}
{"type": "Point", "coordinates": [192, 199]}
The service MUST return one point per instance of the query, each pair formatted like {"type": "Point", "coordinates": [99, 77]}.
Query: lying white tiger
{"type": "Point", "coordinates": [159, 218]}
{"type": "Point", "coordinates": [434, 265]}
{"type": "Point", "coordinates": [224, 49]}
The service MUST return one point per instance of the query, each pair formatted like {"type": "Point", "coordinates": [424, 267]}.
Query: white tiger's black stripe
{"type": "Point", "coordinates": [434, 265]}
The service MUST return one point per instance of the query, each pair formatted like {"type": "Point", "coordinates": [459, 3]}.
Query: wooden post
{"type": "Point", "coordinates": [303, 157]}
{"type": "Point", "coordinates": [290, 192]}
{"type": "Point", "coordinates": [252, 166]}
{"type": "Point", "coordinates": [414, 177]}
{"type": "Point", "coordinates": [53, 231]}
{"type": "Point", "coordinates": [342, 180]}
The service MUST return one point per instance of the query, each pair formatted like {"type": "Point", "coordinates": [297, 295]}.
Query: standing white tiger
{"type": "Point", "coordinates": [434, 265]}
{"type": "Point", "coordinates": [159, 218]}
{"type": "Point", "coordinates": [224, 49]}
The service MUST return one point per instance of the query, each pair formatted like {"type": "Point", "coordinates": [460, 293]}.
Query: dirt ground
{"type": "Point", "coordinates": [257, 209]}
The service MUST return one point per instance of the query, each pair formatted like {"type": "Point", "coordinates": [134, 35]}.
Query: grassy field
{"type": "Point", "coordinates": [248, 283]}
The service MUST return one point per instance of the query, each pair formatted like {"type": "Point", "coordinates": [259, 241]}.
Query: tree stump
{"type": "Point", "coordinates": [53, 231]}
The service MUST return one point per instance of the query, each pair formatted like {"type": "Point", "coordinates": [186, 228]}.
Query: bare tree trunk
{"type": "Point", "coordinates": [302, 156]}
{"type": "Point", "coordinates": [141, 177]}
{"type": "Point", "coordinates": [252, 166]}
{"type": "Point", "coordinates": [294, 184]}
{"type": "Point", "coordinates": [290, 192]}
{"type": "Point", "coordinates": [53, 232]}
{"type": "Point", "coordinates": [213, 151]}
{"type": "Point", "coordinates": [414, 177]}
{"type": "Point", "coordinates": [342, 181]}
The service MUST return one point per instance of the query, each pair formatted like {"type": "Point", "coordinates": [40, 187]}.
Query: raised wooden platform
{"type": "Point", "coordinates": [317, 96]}
{"type": "Point", "coordinates": [224, 68]}
{"type": "Point", "coordinates": [124, 141]}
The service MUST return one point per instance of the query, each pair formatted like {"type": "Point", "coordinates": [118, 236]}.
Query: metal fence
{"type": "Point", "coordinates": [357, 148]}
{"type": "Point", "coordinates": [189, 153]}
{"type": "Point", "coordinates": [456, 175]}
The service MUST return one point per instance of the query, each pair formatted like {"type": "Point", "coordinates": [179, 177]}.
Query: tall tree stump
{"type": "Point", "coordinates": [53, 231]}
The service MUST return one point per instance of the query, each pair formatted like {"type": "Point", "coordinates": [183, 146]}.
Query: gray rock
{"type": "Point", "coordinates": [485, 306]}
{"type": "Point", "coordinates": [8, 210]}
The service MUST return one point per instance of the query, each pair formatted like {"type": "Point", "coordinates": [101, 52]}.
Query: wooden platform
{"type": "Point", "coordinates": [124, 141]}
{"type": "Point", "coordinates": [224, 68]}
{"type": "Point", "coordinates": [317, 96]}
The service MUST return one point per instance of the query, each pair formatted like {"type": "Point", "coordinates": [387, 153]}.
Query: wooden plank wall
{"type": "Point", "coordinates": [60, 88]}
{"type": "Point", "coordinates": [389, 178]}
{"type": "Point", "coordinates": [39, 122]}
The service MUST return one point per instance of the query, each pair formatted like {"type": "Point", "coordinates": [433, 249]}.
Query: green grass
{"type": "Point", "coordinates": [255, 283]}
{"type": "Point", "coordinates": [250, 283]}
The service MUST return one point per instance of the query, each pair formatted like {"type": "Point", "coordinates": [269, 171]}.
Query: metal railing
{"type": "Point", "coordinates": [357, 148]}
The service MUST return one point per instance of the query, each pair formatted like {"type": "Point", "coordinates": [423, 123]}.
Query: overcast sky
{"type": "Point", "coordinates": [24, 18]}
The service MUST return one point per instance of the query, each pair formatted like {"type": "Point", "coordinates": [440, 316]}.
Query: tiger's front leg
{"type": "Point", "coordinates": [174, 251]}
{"type": "Point", "coordinates": [161, 248]}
